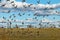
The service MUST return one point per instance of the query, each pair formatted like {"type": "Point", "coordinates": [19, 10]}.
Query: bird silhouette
{"type": "Point", "coordinates": [12, 2]}
{"type": "Point", "coordinates": [29, 14]}
{"type": "Point", "coordinates": [0, 0]}
{"type": "Point", "coordinates": [4, 18]}
{"type": "Point", "coordinates": [14, 16]}
{"type": "Point", "coordinates": [10, 16]}
{"type": "Point", "coordinates": [7, 0]}
{"type": "Point", "coordinates": [3, 5]}
{"type": "Point", "coordinates": [8, 11]}
{"type": "Point", "coordinates": [12, 19]}
{"type": "Point", "coordinates": [30, 5]}
{"type": "Point", "coordinates": [24, 6]}
{"type": "Point", "coordinates": [23, 0]}
{"type": "Point", "coordinates": [35, 17]}
{"type": "Point", "coordinates": [22, 22]}
{"type": "Point", "coordinates": [38, 1]}
{"type": "Point", "coordinates": [49, 2]}
{"type": "Point", "coordinates": [23, 13]}
{"type": "Point", "coordinates": [19, 14]}
{"type": "Point", "coordinates": [53, 17]}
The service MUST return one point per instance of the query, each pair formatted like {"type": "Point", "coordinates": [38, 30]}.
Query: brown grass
{"type": "Point", "coordinates": [30, 34]}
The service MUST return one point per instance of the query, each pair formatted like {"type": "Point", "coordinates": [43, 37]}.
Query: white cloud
{"type": "Point", "coordinates": [46, 20]}
{"type": "Point", "coordinates": [47, 12]}
{"type": "Point", "coordinates": [2, 20]}
{"type": "Point", "coordinates": [4, 11]}
{"type": "Point", "coordinates": [40, 9]}
{"type": "Point", "coordinates": [22, 6]}
{"type": "Point", "coordinates": [28, 20]}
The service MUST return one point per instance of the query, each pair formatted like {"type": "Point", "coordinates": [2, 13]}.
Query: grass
{"type": "Point", "coordinates": [30, 34]}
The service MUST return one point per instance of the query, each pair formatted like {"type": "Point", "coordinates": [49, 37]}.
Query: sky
{"type": "Point", "coordinates": [44, 2]}
{"type": "Point", "coordinates": [33, 2]}
{"type": "Point", "coordinates": [24, 17]}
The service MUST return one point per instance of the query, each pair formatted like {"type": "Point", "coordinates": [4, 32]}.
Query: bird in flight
{"type": "Point", "coordinates": [38, 1]}
{"type": "Point", "coordinates": [49, 2]}
{"type": "Point", "coordinates": [23, 0]}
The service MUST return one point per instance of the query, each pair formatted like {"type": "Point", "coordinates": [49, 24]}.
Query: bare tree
{"type": "Point", "coordinates": [29, 26]}
{"type": "Point", "coordinates": [17, 26]}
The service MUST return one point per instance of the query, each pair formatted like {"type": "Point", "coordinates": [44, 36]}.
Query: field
{"type": "Point", "coordinates": [30, 34]}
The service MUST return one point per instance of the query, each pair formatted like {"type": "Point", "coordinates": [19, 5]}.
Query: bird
{"type": "Point", "coordinates": [10, 23]}
{"type": "Point", "coordinates": [48, 23]}
{"type": "Point", "coordinates": [15, 6]}
{"type": "Point", "coordinates": [39, 23]}
{"type": "Point", "coordinates": [8, 20]}
{"type": "Point", "coordinates": [35, 17]}
{"type": "Point", "coordinates": [10, 16]}
{"type": "Point", "coordinates": [8, 11]}
{"type": "Point", "coordinates": [30, 5]}
{"type": "Point", "coordinates": [3, 5]}
{"type": "Point", "coordinates": [38, 1]}
{"type": "Point", "coordinates": [24, 6]}
{"type": "Point", "coordinates": [22, 22]}
{"type": "Point", "coordinates": [14, 16]}
{"type": "Point", "coordinates": [16, 26]}
{"type": "Point", "coordinates": [12, 19]}
{"type": "Point", "coordinates": [53, 17]}
{"type": "Point", "coordinates": [29, 14]}
{"type": "Point", "coordinates": [8, 0]}
{"type": "Point", "coordinates": [12, 2]}
{"type": "Point", "coordinates": [4, 17]}
{"type": "Point", "coordinates": [34, 7]}
{"type": "Point", "coordinates": [23, 0]}
{"type": "Point", "coordinates": [0, 0]}
{"type": "Point", "coordinates": [23, 13]}
{"type": "Point", "coordinates": [19, 14]}
{"type": "Point", "coordinates": [43, 16]}
{"type": "Point", "coordinates": [49, 2]}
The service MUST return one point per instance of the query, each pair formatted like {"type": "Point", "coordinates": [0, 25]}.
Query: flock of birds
{"type": "Point", "coordinates": [20, 15]}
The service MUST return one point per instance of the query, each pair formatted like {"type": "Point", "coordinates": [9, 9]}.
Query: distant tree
{"type": "Point", "coordinates": [29, 26]}
{"type": "Point", "coordinates": [52, 26]}
{"type": "Point", "coordinates": [10, 24]}
{"type": "Point", "coordinates": [40, 25]}
{"type": "Point", "coordinates": [2, 27]}
{"type": "Point", "coordinates": [17, 26]}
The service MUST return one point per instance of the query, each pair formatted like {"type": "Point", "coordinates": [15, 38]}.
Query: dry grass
{"type": "Point", "coordinates": [30, 34]}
